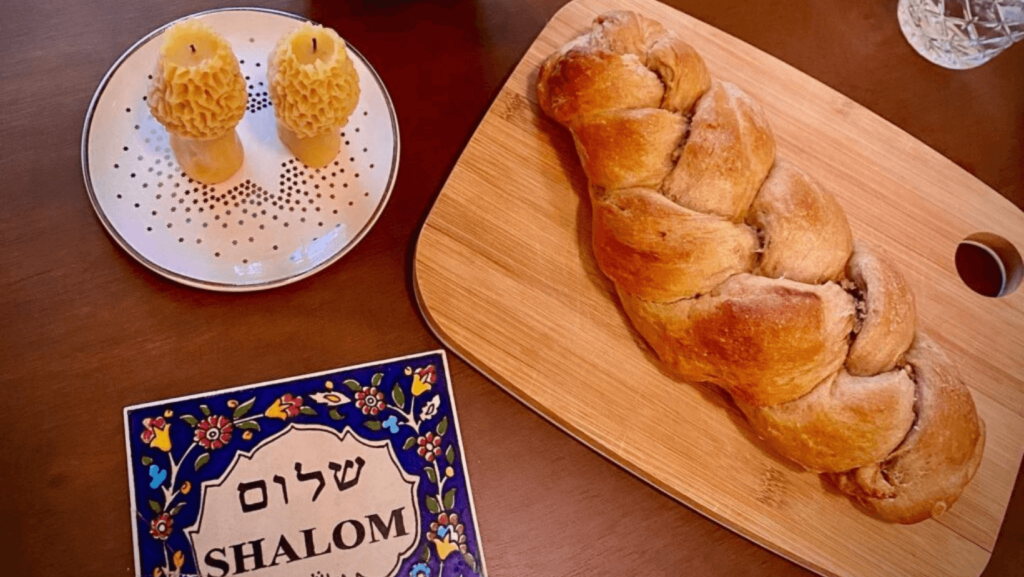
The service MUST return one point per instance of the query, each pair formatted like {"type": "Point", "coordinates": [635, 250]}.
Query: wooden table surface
{"type": "Point", "coordinates": [86, 330]}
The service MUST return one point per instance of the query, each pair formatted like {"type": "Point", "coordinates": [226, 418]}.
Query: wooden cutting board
{"type": "Point", "coordinates": [506, 277]}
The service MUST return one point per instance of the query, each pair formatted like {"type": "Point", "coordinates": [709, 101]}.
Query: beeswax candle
{"type": "Point", "coordinates": [198, 94]}
{"type": "Point", "coordinates": [314, 88]}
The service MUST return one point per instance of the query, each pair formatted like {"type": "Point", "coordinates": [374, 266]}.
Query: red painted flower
{"type": "Point", "coordinates": [429, 446]}
{"type": "Point", "coordinates": [291, 405]}
{"type": "Point", "coordinates": [214, 432]}
{"type": "Point", "coordinates": [370, 401]}
{"type": "Point", "coordinates": [160, 527]}
{"type": "Point", "coordinates": [427, 374]}
{"type": "Point", "coordinates": [286, 407]}
{"type": "Point", "coordinates": [149, 434]}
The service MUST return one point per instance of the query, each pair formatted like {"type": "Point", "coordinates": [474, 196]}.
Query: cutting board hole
{"type": "Point", "coordinates": [989, 264]}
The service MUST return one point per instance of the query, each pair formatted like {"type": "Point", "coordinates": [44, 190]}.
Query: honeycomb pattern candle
{"type": "Point", "coordinates": [198, 94]}
{"type": "Point", "coordinates": [314, 88]}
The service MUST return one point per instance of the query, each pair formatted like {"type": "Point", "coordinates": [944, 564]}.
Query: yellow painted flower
{"type": "Point", "coordinates": [179, 560]}
{"type": "Point", "coordinates": [168, 414]}
{"type": "Point", "coordinates": [422, 379]}
{"type": "Point", "coordinates": [247, 435]}
{"type": "Point", "coordinates": [157, 433]}
{"type": "Point", "coordinates": [285, 407]}
{"type": "Point", "coordinates": [447, 535]}
{"type": "Point", "coordinates": [449, 472]}
{"type": "Point", "coordinates": [329, 386]}
{"type": "Point", "coordinates": [232, 404]}
{"type": "Point", "coordinates": [444, 548]}
{"type": "Point", "coordinates": [186, 487]}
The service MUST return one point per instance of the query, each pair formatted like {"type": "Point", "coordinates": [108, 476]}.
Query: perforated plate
{"type": "Point", "coordinates": [275, 221]}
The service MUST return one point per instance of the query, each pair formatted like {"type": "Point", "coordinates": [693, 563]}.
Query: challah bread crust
{"type": "Point", "coordinates": [726, 157]}
{"type": "Point", "coordinates": [889, 317]}
{"type": "Point", "coordinates": [659, 251]}
{"type": "Point", "coordinates": [739, 269]}
{"type": "Point", "coordinates": [616, 65]}
{"type": "Point", "coordinates": [843, 422]}
{"type": "Point", "coordinates": [925, 475]}
{"type": "Point", "coordinates": [766, 341]}
{"type": "Point", "coordinates": [583, 82]}
{"type": "Point", "coordinates": [650, 135]}
{"type": "Point", "coordinates": [806, 235]}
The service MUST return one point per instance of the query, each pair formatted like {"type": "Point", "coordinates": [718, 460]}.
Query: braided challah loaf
{"type": "Point", "coordinates": [738, 269]}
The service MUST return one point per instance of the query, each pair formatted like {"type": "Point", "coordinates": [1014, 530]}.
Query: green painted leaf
{"type": "Point", "coordinates": [146, 461]}
{"type": "Point", "coordinates": [398, 395]}
{"type": "Point", "coordinates": [202, 460]}
{"type": "Point", "coordinates": [155, 506]}
{"type": "Point", "coordinates": [372, 425]}
{"type": "Point", "coordinates": [192, 421]}
{"type": "Point", "coordinates": [177, 509]}
{"type": "Point", "coordinates": [243, 409]}
{"type": "Point", "coordinates": [449, 455]}
{"type": "Point", "coordinates": [449, 499]}
{"type": "Point", "coordinates": [432, 505]}
{"type": "Point", "coordinates": [425, 554]}
{"type": "Point", "coordinates": [442, 427]}
{"type": "Point", "coordinates": [248, 425]}
{"type": "Point", "coordinates": [353, 385]}
{"type": "Point", "coordinates": [431, 474]}
{"type": "Point", "coordinates": [307, 410]}
{"type": "Point", "coordinates": [375, 379]}
{"type": "Point", "coordinates": [336, 415]}
{"type": "Point", "coordinates": [409, 443]}
{"type": "Point", "coordinates": [205, 410]}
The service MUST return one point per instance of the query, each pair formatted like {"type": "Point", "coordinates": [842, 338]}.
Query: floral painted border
{"type": "Point", "coordinates": [176, 445]}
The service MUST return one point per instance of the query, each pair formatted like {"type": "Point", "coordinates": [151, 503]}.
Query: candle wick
{"type": "Point", "coordinates": [193, 47]}
{"type": "Point", "coordinates": [314, 45]}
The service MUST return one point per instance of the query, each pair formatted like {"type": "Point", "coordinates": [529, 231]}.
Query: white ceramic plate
{"type": "Point", "coordinates": [272, 223]}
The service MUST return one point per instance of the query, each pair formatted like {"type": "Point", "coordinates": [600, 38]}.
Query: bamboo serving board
{"type": "Point", "coordinates": [506, 277]}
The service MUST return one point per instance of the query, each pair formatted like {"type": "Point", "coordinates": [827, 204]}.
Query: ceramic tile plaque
{"type": "Point", "coordinates": [356, 472]}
